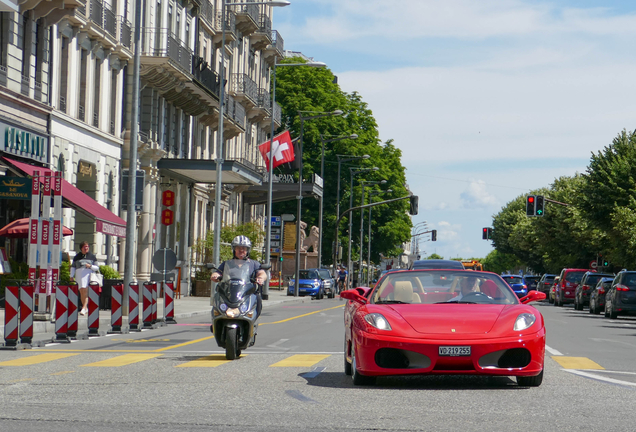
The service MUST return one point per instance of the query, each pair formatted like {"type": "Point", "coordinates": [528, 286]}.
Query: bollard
{"type": "Point", "coordinates": [168, 302]}
{"type": "Point", "coordinates": [147, 305]}
{"type": "Point", "coordinates": [27, 304]}
{"type": "Point", "coordinates": [93, 309]}
{"type": "Point", "coordinates": [133, 306]}
{"type": "Point", "coordinates": [117, 295]}
{"type": "Point", "coordinates": [73, 297]}
{"type": "Point", "coordinates": [154, 302]}
{"type": "Point", "coordinates": [61, 314]}
{"type": "Point", "coordinates": [11, 316]}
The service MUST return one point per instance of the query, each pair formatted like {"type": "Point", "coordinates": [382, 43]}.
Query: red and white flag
{"type": "Point", "coordinates": [283, 150]}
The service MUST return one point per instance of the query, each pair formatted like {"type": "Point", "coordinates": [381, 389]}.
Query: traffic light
{"type": "Point", "coordinates": [530, 203]}
{"type": "Point", "coordinates": [281, 258]}
{"type": "Point", "coordinates": [414, 204]}
{"type": "Point", "coordinates": [538, 205]}
{"type": "Point", "coordinates": [605, 263]}
{"type": "Point", "coordinates": [434, 235]}
{"type": "Point", "coordinates": [485, 234]}
{"type": "Point", "coordinates": [489, 233]}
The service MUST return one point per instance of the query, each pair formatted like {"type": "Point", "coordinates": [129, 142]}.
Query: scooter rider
{"type": "Point", "coordinates": [241, 246]}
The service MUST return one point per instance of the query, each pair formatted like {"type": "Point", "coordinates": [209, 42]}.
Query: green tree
{"type": "Point", "coordinates": [499, 262]}
{"type": "Point", "coordinates": [305, 92]}
{"type": "Point", "coordinates": [435, 256]}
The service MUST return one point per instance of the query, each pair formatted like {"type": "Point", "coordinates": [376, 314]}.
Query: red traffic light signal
{"type": "Point", "coordinates": [530, 201]}
{"type": "Point", "coordinates": [484, 235]}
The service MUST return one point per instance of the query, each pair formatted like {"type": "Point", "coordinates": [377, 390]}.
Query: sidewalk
{"type": "Point", "coordinates": [184, 307]}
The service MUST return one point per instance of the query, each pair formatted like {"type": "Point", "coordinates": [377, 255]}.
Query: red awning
{"type": "Point", "coordinates": [106, 221]}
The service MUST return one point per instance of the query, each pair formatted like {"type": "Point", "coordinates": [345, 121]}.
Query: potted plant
{"type": "Point", "coordinates": [111, 277]}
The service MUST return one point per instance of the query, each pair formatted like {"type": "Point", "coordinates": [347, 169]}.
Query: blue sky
{"type": "Point", "coordinates": [488, 99]}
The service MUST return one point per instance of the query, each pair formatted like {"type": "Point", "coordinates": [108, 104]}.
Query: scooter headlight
{"type": "Point", "coordinates": [222, 307]}
{"type": "Point", "coordinates": [243, 307]}
{"type": "Point", "coordinates": [233, 313]}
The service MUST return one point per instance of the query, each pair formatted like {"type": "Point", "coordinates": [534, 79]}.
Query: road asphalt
{"type": "Point", "coordinates": [184, 307]}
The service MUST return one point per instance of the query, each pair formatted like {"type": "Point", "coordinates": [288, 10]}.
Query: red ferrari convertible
{"type": "Point", "coordinates": [443, 322]}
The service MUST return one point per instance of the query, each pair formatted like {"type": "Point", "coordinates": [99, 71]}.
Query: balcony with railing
{"type": "Point", "coordinates": [262, 37]}
{"type": "Point", "coordinates": [54, 11]}
{"type": "Point", "coordinates": [124, 32]}
{"type": "Point", "coordinates": [234, 120]}
{"type": "Point", "coordinates": [275, 50]}
{"type": "Point", "coordinates": [247, 18]}
{"type": "Point", "coordinates": [230, 28]}
{"type": "Point", "coordinates": [207, 17]}
{"type": "Point", "coordinates": [245, 90]}
{"type": "Point", "coordinates": [267, 123]}
{"type": "Point", "coordinates": [262, 108]}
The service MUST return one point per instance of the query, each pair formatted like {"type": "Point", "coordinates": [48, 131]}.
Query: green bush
{"type": "Point", "coordinates": [65, 272]}
{"type": "Point", "coordinates": [109, 272]}
{"type": "Point", "coordinates": [20, 271]}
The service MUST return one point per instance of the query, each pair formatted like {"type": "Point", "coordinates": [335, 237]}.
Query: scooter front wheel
{"type": "Point", "coordinates": [231, 344]}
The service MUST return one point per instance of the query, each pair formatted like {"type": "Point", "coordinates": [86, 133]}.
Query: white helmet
{"type": "Point", "coordinates": [242, 241]}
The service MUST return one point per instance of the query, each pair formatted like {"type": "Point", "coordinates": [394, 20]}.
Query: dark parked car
{"type": "Point", "coordinates": [437, 264]}
{"type": "Point", "coordinates": [588, 283]}
{"type": "Point", "coordinates": [569, 279]}
{"type": "Point", "coordinates": [517, 283]}
{"type": "Point", "coordinates": [597, 297]}
{"type": "Point", "coordinates": [545, 283]}
{"type": "Point", "coordinates": [532, 281]}
{"type": "Point", "coordinates": [313, 282]}
{"type": "Point", "coordinates": [621, 297]}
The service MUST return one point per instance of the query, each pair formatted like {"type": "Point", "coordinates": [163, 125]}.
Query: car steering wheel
{"type": "Point", "coordinates": [476, 295]}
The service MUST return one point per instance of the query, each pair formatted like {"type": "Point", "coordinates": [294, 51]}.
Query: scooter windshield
{"type": "Point", "coordinates": [236, 278]}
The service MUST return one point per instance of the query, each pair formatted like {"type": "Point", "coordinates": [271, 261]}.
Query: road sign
{"type": "Point", "coordinates": [164, 260]}
{"type": "Point", "coordinates": [274, 250]}
{"type": "Point", "coordinates": [275, 236]}
{"type": "Point", "coordinates": [275, 243]}
{"type": "Point", "coordinates": [276, 220]}
{"type": "Point", "coordinates": [593, 264]}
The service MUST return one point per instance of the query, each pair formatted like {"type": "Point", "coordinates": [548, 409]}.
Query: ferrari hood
{"type": "Point", "coordinates": [455, 319]}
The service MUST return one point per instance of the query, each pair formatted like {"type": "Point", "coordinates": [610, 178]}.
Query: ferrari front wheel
{"type": "Point", "coordinates": [358, 378]}
{"type": "Point", "coordinates": [530, 381]}
{"type": "Point", "coordinates": [347, 366]}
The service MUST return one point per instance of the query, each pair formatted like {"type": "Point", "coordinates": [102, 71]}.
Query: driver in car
{"type": "Point", "coordinates": [467, 285]}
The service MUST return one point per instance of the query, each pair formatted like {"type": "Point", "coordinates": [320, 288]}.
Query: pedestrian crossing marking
{"type": "Point", "coordinates": [123, 360]}
{"type": "Point", "coordinates": [577, 363]}
{"type": "Point", "coordinates": [213, 360]}
{"type": "Point", "coordinates": [36, 359]}
{"type": "Point", "coordinates": [300, 360]}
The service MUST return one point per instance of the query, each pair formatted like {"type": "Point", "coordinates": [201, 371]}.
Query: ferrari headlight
{"type": "Point", "coordinates": [524, 321]}
{"type": "Point", "coordinates": [243, 307]}
{"type": "Point", "coordinates": [378, 321]}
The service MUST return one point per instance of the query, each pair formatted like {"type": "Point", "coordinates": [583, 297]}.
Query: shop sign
{"type": "Point", "coordinates": [17, 188]}
{"type": "Point", "coordinates": [24, 144]}
{"type": "Point", "coordinates": [86, 171]}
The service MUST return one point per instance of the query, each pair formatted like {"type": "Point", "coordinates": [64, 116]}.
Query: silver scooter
{"type": "Point", "coordinates": [234, 307]}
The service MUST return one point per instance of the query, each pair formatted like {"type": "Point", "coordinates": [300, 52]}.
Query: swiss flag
{"type": "Point", "coordinates": [283, 150]}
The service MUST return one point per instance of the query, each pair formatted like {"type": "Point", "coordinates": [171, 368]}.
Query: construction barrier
{"type": "Point", "coordinates": [27, 304]}
{"type": "Point", "coordinates": [117, 296]}
{"type": "Point", "coordinates": [93, 309]}
{"type": "Point", "coordinates": [147, 304]}
{"type": "Point", "coordinates": [154, 302]}
{"type": "Point", "coordinates": [73, 298]}
{"type": "Point", "coordinates": [133, 307]}
{"type": "Point", "coordinates": [11, 315]}
{"type": "Point", "coordinates": [61, 314]}
{"type": "Point", "coordinates": [168, 302]}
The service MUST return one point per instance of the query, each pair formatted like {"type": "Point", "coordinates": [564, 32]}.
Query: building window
{"type": "Point", "coordinates": [81, 114]}
{"type": "Point", "coordinates": [97, 87]}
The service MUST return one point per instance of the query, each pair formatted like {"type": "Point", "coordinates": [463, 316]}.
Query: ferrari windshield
{"type": "Point", "coordinates": [443, 286]}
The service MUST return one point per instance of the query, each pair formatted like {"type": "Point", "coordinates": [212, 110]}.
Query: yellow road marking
{"type": "Point", "coordinates": [576, 362]}
{"type": "Point", "coordinates": [183, 344]}
{"type": "Point", "coordinates": [36, 359]}
{"type": "Point", "coordinates": [300, 360]}
{"type": "Point", "coordinates": [301, 316]}
{"type": "Point", "coordinates": [122, 360]}
{"type": "Point", "coordinates": [213, 360]}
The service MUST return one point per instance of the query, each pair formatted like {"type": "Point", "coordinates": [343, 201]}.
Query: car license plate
{"type": "Point", "coordinates": [454, 351]}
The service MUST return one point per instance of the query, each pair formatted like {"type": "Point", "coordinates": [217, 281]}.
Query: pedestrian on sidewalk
{"type": "Point", "coordinates": [84, 264]}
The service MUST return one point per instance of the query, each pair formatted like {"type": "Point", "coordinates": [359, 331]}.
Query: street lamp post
{"type": "Point", "coordinates": [372, 194]}
{"type": "Point", "coordinates": [352, 172]}
{"type": "Point", "coordinates": [216, 253]}
{"type": "Point", "coordinates": [270, 170]}
{"type": "Point", "coordinates": [300, 189]}
{"type": "Point", "coordinates": [364, 183]}
{"type": "Point", "coordinates": [322, 176]}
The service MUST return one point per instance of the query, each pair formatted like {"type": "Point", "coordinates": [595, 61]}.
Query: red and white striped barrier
{"type": "Point", "coordinates": [154, 302]}
{"type": "Point", "coordinates": [61, 314]}
{"type": "Point", "coordinates": [117, 296]}
{"type": "Point", "coordinates": [168, 302]}
{"type": "Point", "coordinates": [11, 316]}
{"type": "Point", "coordinates": [147, 304]}
{"type": "Point", "coordinates": [73, 296]}
{"type": "Point", "coordinates": [27, 304]}
{"type": "Point", "coordinates": [133, 306]}
{"type": "Point", "coordinates": [93, 309]}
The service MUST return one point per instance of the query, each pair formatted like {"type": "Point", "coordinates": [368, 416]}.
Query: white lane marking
{"type": "Point", "coordinates": [612, 372]}
{"type": "Point", "coordinates": [552, 351]}
{"type": "Point", "coordinates": [611, 340]}
{"type": "Point", "coordinates": [314, 373]}
{"type": "Point", "coordinates": [600, 378]}
{"type": "Point", "coordinates": [328, 321]}
{"type": "Point", "coordinates": [275, 345]}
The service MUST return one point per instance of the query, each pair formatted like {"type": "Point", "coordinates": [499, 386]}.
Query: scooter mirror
{"type": "Point", "coordinates": [266, 266]}
{"type": "Point", "coordinates": [211, 266]}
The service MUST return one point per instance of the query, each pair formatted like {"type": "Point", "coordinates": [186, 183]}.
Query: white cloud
{"type": "Point", "coordinates": [476, 195]}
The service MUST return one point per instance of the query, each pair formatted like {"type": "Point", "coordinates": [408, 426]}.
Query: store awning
{"type": "Point", "coordinates": [204, 171]}
{"type": "Point", "coordinates": [106, 221]}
